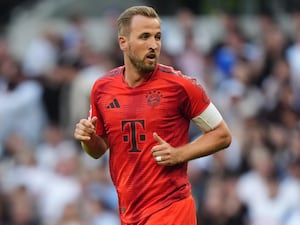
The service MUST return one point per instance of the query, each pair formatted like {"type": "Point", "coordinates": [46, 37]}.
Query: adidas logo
{"type": "Point", "coordinates": [113, 104]}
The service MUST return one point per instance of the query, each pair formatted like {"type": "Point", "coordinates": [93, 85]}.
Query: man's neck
{"type": "Point", "coordinates": [133, 77]}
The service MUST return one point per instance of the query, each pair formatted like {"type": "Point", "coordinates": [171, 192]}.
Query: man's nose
{"type": "Point", "coordinates": [153, 44]}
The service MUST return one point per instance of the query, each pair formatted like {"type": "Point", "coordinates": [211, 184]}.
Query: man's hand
{"type": "Point", "coordinates": [85, 129]}
{"type": "Point", "coordinates": [164, 153]}
{"type": "Point", "coordinates": [85, 132]}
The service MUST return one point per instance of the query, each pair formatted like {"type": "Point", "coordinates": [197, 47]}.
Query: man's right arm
{"type": "Point", "coordinates": [92, 144]}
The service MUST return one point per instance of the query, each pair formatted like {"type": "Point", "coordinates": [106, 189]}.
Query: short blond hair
{"type": "Point", "coordinates": [125, 18]}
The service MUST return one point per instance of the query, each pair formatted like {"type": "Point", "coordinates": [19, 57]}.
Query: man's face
{"type": "Point", "coordinates": [144, 43]}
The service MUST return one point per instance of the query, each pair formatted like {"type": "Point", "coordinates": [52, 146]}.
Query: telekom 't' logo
{"type": "Point", "coordinates": [133, 125]}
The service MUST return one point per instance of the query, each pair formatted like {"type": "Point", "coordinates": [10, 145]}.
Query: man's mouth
{"type": "Point", "coordinates": [151, 56]}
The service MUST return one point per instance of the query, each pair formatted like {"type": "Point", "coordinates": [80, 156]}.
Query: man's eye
{"type": "Point", "coordinates": [144, 36]}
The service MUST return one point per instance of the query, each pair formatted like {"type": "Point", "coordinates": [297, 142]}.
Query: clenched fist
{"type": "Point", "coordinates": [85, 129]}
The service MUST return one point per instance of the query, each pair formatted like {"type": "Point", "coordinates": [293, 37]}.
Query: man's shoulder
{"type": "Point", "coordinates": [110, 75]}
{"type": "Point", "coordinates": [161, 68]}
{"type": "Point", "coordinates": [114, 72]}
{"type": "Point", "coordinates": [174, 74]}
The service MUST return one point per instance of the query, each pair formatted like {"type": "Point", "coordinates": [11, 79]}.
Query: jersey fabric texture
{"type": "Point", "coordinates": [184, 210]}
{"type": "Point", "coordinates": [164, 103]}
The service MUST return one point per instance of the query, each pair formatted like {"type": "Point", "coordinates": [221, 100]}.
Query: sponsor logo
{"type": "Point", "coordinates": [113, 104]}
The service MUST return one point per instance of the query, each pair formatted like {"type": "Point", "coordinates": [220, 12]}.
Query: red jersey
{"type": "Point", "coordinates": [165, 103]}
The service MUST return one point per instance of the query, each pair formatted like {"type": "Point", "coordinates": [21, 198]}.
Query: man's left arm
{"type": "Point", "coordinates": [216, 136]}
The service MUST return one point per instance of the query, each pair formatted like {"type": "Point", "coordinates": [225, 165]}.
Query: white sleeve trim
{"type": "Point", "coordinates": [208, 119]}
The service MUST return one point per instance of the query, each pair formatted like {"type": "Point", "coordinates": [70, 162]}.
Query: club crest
{"type": "Point", "coordinates": [153, 97]}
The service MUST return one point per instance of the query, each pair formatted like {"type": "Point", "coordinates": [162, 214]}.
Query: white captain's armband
{"type": "Point", "coordinates": [208, 119]}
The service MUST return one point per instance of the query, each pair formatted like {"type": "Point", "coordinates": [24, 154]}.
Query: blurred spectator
{"type": "Point", "coordinates": [190, 61]}
{"type": "Point", "coordinates": [98, 214]}
{"type": "Point", "coordinates": [21, 107]}
{"type": "Point", "coordinates": [99, 197]}
{"type": "Point", "coordinates": [294, 175]}
{"type": "Point", "coordinates": [71, 215]}
{"type": "Point", "coordinates": [22, 208]}
{"type": "Point", "coordinates": [56, 85]}
{"type": "Point", "coordinates": [45, 50]}
{"type": "Point", "coordinates": [101, 188]}
{"type": "Point", "coordinates": [278, 141]}
{"type": "Point", "coordinates": [273, 45]}
{"type": "Point", "coordinates": [22, 165]}
{"type": "Point", "coordinates": [74, 36]}
{"type": "Point", "coordinates": [274, 83]}
{"type": "Point", "coordinates": [294, 145]}
{"type": "Point", "coordinates": [4, 211]}
{"type": "Point", "coordinates": [4, 50]}
{"type": "Point", "coordinates": [284, 111]}
{"type": "Point", "coordinates": [221, 205]}
{"type": "Point", "coordinates": [53, 146]}
{"type": "Point", "coordinates": [239, 93]}
{"type": "Point", "coordinates": [63, 189]}
{"type": "Point", "coordinates": [274, 199]}
{"type": "Point", "coordinates": [293, 57]}
{"type": "Point", "coordinates": [234, 48]}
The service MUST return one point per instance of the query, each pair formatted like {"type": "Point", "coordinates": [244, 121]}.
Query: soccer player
{"type": "Point", "coordinates": [141, 112]}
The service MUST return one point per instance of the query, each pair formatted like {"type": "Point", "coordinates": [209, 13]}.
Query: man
{"type": "Point", "coordinates": [141, 113]}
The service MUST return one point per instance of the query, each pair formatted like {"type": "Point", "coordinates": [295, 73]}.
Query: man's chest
{"type": "Point", "coordinates": [143, 108]}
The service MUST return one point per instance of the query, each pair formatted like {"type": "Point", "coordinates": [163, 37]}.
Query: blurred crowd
{"type": "Point", "coordinates": [254, 80]}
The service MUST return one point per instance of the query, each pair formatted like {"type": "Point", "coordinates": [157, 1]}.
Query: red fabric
{"type": "Point", "coordinates": [179, 213]}
{"type": "Point", "coordinates": [164, 103]}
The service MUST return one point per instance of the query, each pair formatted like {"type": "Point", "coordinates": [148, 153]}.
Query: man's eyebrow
{"type": "Point", "coordinates": [145, 33]}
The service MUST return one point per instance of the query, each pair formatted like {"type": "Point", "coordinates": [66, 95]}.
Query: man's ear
{"type": "Point", "coordinates": [123, 43]}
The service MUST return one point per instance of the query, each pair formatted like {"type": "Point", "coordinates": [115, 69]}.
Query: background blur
{"type": "Point", "coordinates": [245, 53]}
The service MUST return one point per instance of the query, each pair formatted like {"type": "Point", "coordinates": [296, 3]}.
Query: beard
{"type": "Point", "coordinates": [140, 64]}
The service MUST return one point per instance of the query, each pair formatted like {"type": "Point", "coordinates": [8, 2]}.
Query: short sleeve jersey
{"type": "Point", "coordinates": [164, 103]}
